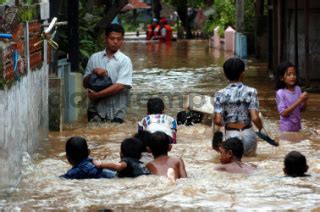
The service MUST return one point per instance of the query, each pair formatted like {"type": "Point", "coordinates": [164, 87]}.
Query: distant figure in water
{"type": "Point", "coordinates": [130, 164]}
{"type": "Point", "coordinates": [164, 165]}
{"type": "Point", "coordinates": [231, 152]}
{"type": "Point", "coordinates": [295, 164]}
{"type": "Point", "coordinates": [82, 166]}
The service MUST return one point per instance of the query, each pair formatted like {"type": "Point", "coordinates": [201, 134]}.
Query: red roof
{"type": "Point", "coordinates": [136, 4]}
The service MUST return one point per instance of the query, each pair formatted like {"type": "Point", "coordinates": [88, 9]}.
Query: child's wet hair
{"type": "Point", "coordinates": [159, 143]}
{"type": "Point", "coordinates": [155, 106]}
{"type": "Point", "coordinates": [217, 139]}
{"type": "Point", "coordinates": [132, 148]}
{"type": "Point", "coordinates": [144, 137]}
{"type": "Point", "coordinates": [235, 145]}
{"type": "Point", "coordinates": [77, 149]}
{"type": "Point", "coordinates": [232, 68]}
{"type": "Point", "coordinates": [280, 71]}
{"type": "Point", "coordinates": [295, 164]}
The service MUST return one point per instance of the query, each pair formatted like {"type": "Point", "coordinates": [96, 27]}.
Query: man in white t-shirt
{"type": "Point", "coordinates": [111, 103]}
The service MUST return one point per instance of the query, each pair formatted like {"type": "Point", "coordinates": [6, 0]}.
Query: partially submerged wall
{"type": "Point", "coordinates": [23, 122]}
{"type": "Point", "coordinates": [23, 98]}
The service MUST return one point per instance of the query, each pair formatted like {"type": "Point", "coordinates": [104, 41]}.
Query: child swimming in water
{"type": "Point", "coordinates": [231, 152]}
{"type": "Point", "coordinates": [129, 165]}
{"type": "Point", "coordinates": [295, 164]}
{"type": "Point", "coordinates": [164, 165]}
{"type": "Point", "coordinates": [82, 166]}
{"type": "Point", "coordinates": [156, 120]}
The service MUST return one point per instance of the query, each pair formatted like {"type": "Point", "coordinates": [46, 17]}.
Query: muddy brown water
{"type": "Point", "coordinates": [171, 72]}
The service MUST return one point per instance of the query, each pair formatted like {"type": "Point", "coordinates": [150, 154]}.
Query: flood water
{"type": "Point", "coordinates": [172, 72]}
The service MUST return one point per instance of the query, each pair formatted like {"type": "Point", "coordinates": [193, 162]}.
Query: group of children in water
{"type": "Point", "coordinates": [235, 108]}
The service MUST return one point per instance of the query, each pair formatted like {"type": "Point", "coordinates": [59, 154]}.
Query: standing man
{"type": "Point", "coordinates": [111, 103]}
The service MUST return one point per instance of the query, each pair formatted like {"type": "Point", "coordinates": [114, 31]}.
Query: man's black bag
{"type": "Point", "coordinates": [97, 83]}
{"type": "Point", "coordinates": [189, 117]}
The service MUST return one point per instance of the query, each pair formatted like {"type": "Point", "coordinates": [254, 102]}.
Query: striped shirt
{"type": "Point", "coordinates": [119, 68]}
{"type": "Point", "coordinates": [159, 122]}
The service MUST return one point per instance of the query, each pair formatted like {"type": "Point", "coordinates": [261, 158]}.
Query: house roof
{"type": "Point", "coordinates": [135, 4]}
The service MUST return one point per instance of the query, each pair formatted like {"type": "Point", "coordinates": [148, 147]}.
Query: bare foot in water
{"type": "Point", "coordinates": [171, 176]}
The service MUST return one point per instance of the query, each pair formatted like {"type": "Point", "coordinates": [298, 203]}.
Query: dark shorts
{"type": "Point", "coordinates": [95, 117]}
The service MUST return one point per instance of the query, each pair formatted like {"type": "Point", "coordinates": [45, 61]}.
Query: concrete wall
{"type": "Point", "coordinates": [74, 95]}
{"type": "Point", "coordinates": [24, 107]}
{"type": "Point", "coordinates": [67, 97]}
{"type": "Point", "coordinates": [56, 104]}
{"type": "Point", "coordinates": [23, 122]}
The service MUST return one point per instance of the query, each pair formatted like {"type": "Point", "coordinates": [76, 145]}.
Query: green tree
{"type": "Point", "coordinates": [224, 16]}
{"type": "Point", "coordinates": [89, 40]}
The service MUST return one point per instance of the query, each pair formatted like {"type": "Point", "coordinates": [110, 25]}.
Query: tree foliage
{"type": "Point", "coordinates": [249, 16]}
{"type": "Point", "coordinates": [224, 16]}
{"type": "Point", "coordinates": [191, 3]}
{"type": "Point", "coordinates": [89, 40]}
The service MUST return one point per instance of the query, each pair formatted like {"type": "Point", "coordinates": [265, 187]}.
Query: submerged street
{"type": "Point", "coordinates": [172, 71]}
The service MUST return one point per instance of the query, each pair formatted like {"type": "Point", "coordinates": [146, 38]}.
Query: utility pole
{"type": "Point", "coordinates": [73, 34]}
{"type": "Point", "coordinates": [239, 15]}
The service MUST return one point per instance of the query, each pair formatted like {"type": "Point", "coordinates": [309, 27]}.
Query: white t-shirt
{"type": "Point", "coordinates": [159, 122]}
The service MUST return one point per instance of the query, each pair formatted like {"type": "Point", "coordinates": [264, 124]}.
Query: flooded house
{"type": "Point", "coordinates": [294, 36]}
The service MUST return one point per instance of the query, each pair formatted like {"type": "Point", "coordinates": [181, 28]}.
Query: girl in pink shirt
{"type": "Point", "coordinates": [290, 100]}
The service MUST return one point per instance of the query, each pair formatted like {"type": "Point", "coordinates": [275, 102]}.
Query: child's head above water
{"type": "Point", "coordinates": [159, 144]}
{"type": "Point", "coordinates": [131, 148]}
{"type": "Point", "coordinates": [144, 137]}
{"type": "Point", "coordinates": [155, 106]}
{"type": "Point", "coordinates": [286, 75]}
{"type": "Point", "coordinates": [295, 164]}
{"type": "Point", "coordinates": [230, 150]}
{"type": "Point", "coordinates": [233, 68]}
{"type": "Point", "coordinates": [76, 150]}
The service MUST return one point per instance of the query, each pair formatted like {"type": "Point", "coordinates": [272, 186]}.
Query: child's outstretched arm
{"type": "Point", "coordinates": [285, 111]}
{"type": "Point", "coordinates": [256, 118]}
{"type": "Point", "coordinates": [113, 166]}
